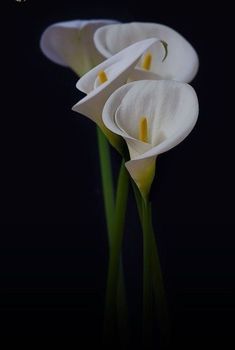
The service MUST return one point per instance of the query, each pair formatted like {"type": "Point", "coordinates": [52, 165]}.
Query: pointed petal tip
{"type": "Point", "coordinates": [74, 107]}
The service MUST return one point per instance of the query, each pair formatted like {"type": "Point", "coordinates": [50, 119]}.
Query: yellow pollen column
{"type": "Point", "coordinates": [143, 129]}
{"type": "Point", "coordinates": [102, 76]}
{"type": "Point", "coordinates": [147, 60]}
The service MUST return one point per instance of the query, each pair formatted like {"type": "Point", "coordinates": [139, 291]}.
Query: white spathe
{"type": "Point", "coordinates": [181, 63]}
{"type": "Point", "coordinates": [117, 68]}
{"type": "Point", "coordinates": [71, 44]}
{"type": "Point", "coordinates": [171, 109]}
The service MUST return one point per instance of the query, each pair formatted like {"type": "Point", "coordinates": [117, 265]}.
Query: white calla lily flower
{"type": "Point", "coordinates": [181, 63]}
{"type": "Point", "coordinates": [71, 44]}
{"type": "Point", "coordinates": [100, 82]}
{"type": "Point", "coordinates": [152, 117]}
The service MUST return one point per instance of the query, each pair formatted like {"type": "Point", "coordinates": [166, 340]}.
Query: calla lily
{"type": "Point", "coordinates": [181, 63]}
{"type": "Point", "coordinates": [71, 44]}
{"type": "Point", "coordinates": [152, 117]}
{"type": "Point", "coordinates": [100, 82]}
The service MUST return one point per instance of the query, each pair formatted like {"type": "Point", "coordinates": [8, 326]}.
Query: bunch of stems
{"type": "Point", "coordinates": [154, 302]}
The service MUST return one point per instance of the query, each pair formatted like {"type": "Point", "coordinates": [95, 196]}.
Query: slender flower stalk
{"type": "Point", "coordinates": [158, 287]}
{"type": "Point", "coordinates": [111, 309]}
{"type": "Point", "coordinates": [151, 260]}
{"type": "Point", "coordinates": [116, 311]}
{"type": "Point", "coordinates": [147, 277]}
{"type": "Point", "coordinates": [120, 214]}
{"type": "Point", "coordinates": [107, 181]}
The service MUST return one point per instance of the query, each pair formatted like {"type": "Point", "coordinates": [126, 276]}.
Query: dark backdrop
{"type": "Point", "coordinates": [53, 251]}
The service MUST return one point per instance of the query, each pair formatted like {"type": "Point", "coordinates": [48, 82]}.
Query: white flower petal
{"type": "Point", "coordinates": [171, 109]}
{"type": "Point", "coordinates": [71, 44]}
{"type": "Point", "coordinates": [141, 74]}
{"type": "Point", "coordinates": [182, 62]}
{"type": "Point", "coordinates": [118, 68]}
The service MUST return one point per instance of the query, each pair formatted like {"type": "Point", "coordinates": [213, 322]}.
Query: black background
{"type": "Point", "coordinates": [53, 251]}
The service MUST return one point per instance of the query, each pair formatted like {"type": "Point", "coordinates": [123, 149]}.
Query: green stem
{"type": "Point", "coordinates": [138, 200]}
{"type": "Point", "coordinates": [114, 211]}
{"type": "Point", "coordinates": [158, 288]}
{"type": "Point", "coordinates": [160, 302]}
{"type": "Point", "coordinates": [147, 290]}
{"type": "Point", "coordinates": [111, 311]}
{"type": "Point", "coordinates": [107, 180]}
{"type": "Point", "coordinates": [120, 212]}
{"type": "Point", "coordinates": [122, 310]}
{"type": "Point", "coordinates": [121, 198]}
